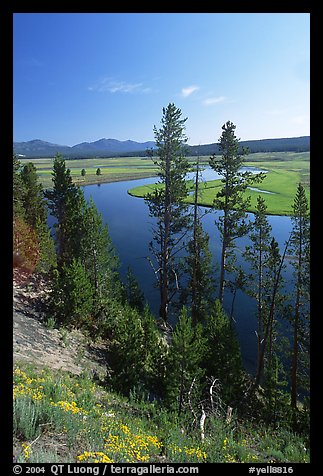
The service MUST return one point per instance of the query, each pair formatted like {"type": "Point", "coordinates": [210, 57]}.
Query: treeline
{"type": "Point", "coordinates": [195, 368]}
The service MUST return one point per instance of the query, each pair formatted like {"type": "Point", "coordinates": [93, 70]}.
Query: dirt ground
{"type": "Point", "coordinates": [34, 342]}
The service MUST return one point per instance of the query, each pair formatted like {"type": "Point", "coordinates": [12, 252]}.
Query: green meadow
{"type": "Point", "coordinates": [284, 171]}
{"type": "Point", "coordinates": [113, 169]}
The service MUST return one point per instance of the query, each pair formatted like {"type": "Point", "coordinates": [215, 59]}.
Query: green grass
{"type": "Point", "coordinates": [282, 178]}
{"type": "Point", "coordinates": [285, 170]}
{"type": "Point", "coordinates": [63, 418]}
{"type": "Point", "coordinates": [113, 169]}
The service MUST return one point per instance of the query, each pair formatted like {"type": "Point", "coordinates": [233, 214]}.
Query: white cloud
{"type": "Point", "coordinates": [210, 101]}
{"type": "Point", "coordinates": [189, 90]}
{"type": "Point", "coordinates": [112, 85]}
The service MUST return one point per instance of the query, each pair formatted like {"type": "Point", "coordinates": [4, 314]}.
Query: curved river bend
{"type": "Point", "coordinates": [130, 230]}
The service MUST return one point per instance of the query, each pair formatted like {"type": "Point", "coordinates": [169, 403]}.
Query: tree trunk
{"type": "Point", "coordinates": [225, 240]}
{"type": "Point", "coordinates": [222, 272]}
{"type": "Point", "coordinates": [294, 368]}
{"type": "Point", "coordinates": [295, 361]}
{"type": "Point", "coordinates": [260, 366]}
{"type": "Point", "coordinates": [259, 297]}
{"type": "Point", "coordinates": [164, 295]}
{"type": "Point", "coordinates": [195, 304]}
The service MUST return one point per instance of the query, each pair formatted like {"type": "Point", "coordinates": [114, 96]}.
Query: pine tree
{"type": "Point", "coordinates": [135, 296]}
{"type": "Point", "coordinates": [230, 199]}
{"type": "Point", "coordinates": [72, 295]}
{"type": "Point", "coordinates": [167, 205]}
{"type": "Point", "coordinates": [275, 267]}
{"type": "Point", "coordinates": [300, 249]}
{"type": "Point", "coordinates": [265, 282]}
{"type": "Point", "coordinates": [33, 197]}
{"type": "Point", "coordinates": [184, 361]}
{"type": "Point", "coordinates": [222, 358]}
{"type": "Point", "coordinates": [48, 260]}
{"type": "Point", "coordinates": [17, 188]}
{"type": "Point", "coordinates": [67, 203]}
{"type": "Point", "coordinates": [30, 207]}
{"type": "Point", "coordinates": [257, 254]}
{"type": "Point", "coordinates": [134, 352]}
{"type": "Point", "coordinates": [97, 252]}
{"type": "Point", "coordinates": [35, 213]}
{"type": "Point", "coordinates": [198, 291]}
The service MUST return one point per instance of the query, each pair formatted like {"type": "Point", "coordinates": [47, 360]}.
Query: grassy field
{"type": "Point", "coordinates": [283, 173]}
{"type": "Point", "coordinates": [285, 170]}
{"type": "Point", "coordinates": [113, 169]}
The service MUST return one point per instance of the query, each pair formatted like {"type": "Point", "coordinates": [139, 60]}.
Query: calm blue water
{"type": "Point", "coordinates": [130, 230]}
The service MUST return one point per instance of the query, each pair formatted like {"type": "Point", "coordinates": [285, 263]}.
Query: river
{"type": "Point", "coordinates": [130, 226]}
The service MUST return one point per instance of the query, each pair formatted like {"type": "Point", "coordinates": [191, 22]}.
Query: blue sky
{"type": "Point", "coordinates": [83, 77]}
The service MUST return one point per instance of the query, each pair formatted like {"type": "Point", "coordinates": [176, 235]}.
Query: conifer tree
{"type": "Point", "coordinates": [265, 283]}
{"type": "Point", "coordinates": [33, 210]}
{"type": "Point", "coordinates": [230, 199]}
{"type": "Point", "coordinates": [72, 295]}
{"type": "Point", "coordinates": [17, 188]}
{"type": "Point", "coordinates": [184, 361]}
{"type": "Point", "coordinates": [198, 291]}
{"type": "Point", "coordinates": [134, 351]}
{"type": "Point", "coordinates": [167, 205]}
{"type": "Point", "coordinates": [66, 202]}
{"type": "Point", "coordinates": [97, 252]}
{"type": "Point", "coordinates": [257, 254]}
{"type": "Point", "coordinates": [222, 358]}
{"type": "Point", "coordinates": [82, 238]}
{"type": "Point", "coordinates": [300, 249]}
{"type": "Point", "coordinates": [135, 296]}
{"type": "Point", "coordinates": [275, 267]}
{"type": "Point", "coordinates": [33, 198]}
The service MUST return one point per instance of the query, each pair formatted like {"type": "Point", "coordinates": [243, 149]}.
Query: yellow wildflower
{"type": "Point", "coordinates": [27, 450]}
{"type": "Point", "coordinates": [98, 456]}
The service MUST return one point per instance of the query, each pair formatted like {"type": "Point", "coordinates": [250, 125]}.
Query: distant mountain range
{"type": "Point", "coordinates": [113, 147]}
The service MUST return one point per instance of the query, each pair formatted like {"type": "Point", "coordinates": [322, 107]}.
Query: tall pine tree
{"type": "Point", "coordinates": [167, 205]}
{"type": "Point", "coordinates": [199, 290]}
{"type": "Point", "coordinates": [231, 199]}
{"type": "Point", "coordinates": [257, 254]}
{"type": "Point", "coordinates": [300, 250]}
{"type": "Point", "coordinates": [66, 202]}
{"type": "Point", "coordinates": [97, 252]}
